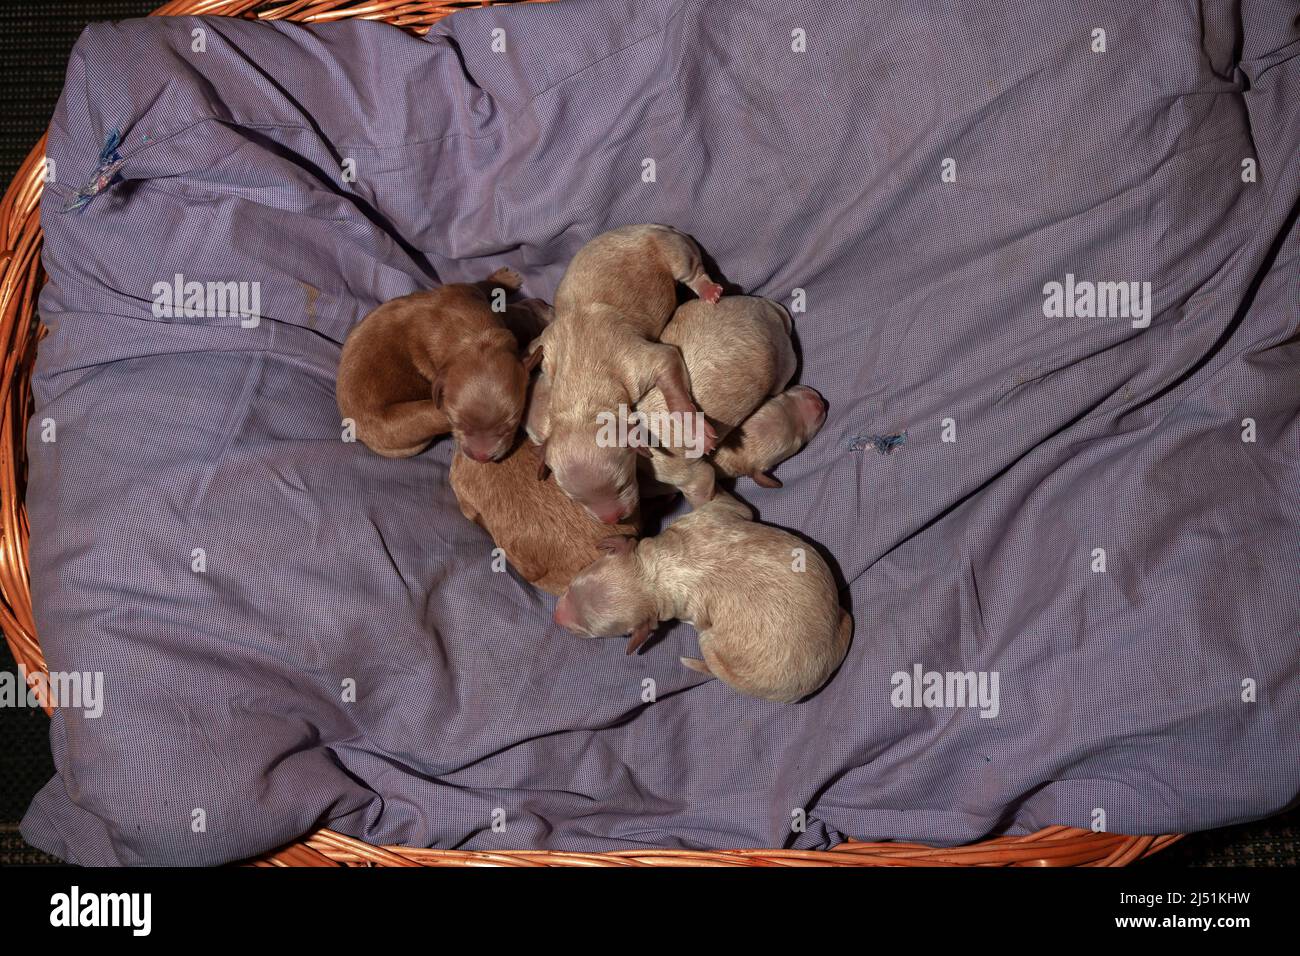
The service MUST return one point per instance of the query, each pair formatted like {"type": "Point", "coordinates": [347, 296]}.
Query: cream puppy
{"type": "Point", "coordinates": [763, 601]}
{"type": "Point", "coordinates": [775, 432]}
{"type": "Point", "coordinates": [738, 354]}
{"type": "Point", "coordinates": [602, 352]}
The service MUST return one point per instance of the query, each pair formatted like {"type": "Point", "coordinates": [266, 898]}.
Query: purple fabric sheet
{"type": "Point", "coordinates": [821, 170]}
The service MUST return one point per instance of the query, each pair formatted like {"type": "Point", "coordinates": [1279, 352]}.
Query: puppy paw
{"type": "Point", "coordinates": [507, 278]}
{"type": "Point", "coordinates": [707, 289]}
{"type": "Point", "coordinates": [710, 437]}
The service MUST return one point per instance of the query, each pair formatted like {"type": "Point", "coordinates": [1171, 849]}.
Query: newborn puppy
{"type": "Point", "coordinates": [778, 430]}
{"type": "Point", "coordinates": [439, 361]}
{"type": "Point", "coordinates": [763, 601]}
{"type": "Point", "coordinates": [601, 352]}
{"type": "Point", "coordinates": [547, 537]}
{"type": "Point", "coordinates": [738, 354]}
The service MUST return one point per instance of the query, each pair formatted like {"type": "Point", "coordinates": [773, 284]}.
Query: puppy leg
{"type": "Point", "coordinates": [404, 429]}
{"type": "Point", "coordinates": [666, 371]}
{"type": "Point", "coordinates": [528, 319]}
{"type": "Point", "coordinates": [505, 278]}
{"type": "Point", "coordinates": [712, 665]}
{"type": "Point", "coordinates": [533, 315]}
{"type": "Point", "coordinates": [700, 484]}
{"type": "Point", "coordinates": [684, 262]}
{"type": "Point", "coordinates": [695, 478]}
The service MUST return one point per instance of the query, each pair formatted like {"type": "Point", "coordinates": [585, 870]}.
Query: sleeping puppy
{"type": "Point", "coordinates": [738, 354]}
{"type": "Point", "coordinates": [602, 352]}
{"type": "Point", "coordinates": [440, 361]}
{"type": "Point", "coordinates": [778, 430]}
{"type": "Point", "coordinates": [764, 602]}
{"type": "Point", "coordinates": [545, 536]}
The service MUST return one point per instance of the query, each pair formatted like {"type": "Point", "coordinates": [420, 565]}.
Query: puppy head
{"type": "Point", "coordinates": [601, 479]}
{"type": "Point", "coordinates": [608, 598]}
{"type": "Point", "coordinates": [807, 411]}
{"type": "Point", "coordinates": [779, 429]}
{"type": "Point", "coordinates": [482, 391]}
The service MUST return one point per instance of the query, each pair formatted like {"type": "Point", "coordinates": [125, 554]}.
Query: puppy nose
{"type": "Point", "coordinates": [813, 400]}
{"type": "Point", "coordinates": [478, 454]}
{"type": "Point", "coordinates": [563, 615]}
{"type": "Point", "coordinates": [610, 514]}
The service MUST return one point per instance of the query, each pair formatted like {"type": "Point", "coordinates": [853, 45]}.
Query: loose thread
{"type": "Point", "coordinates": [883, 444]}
{"type": "Point", "coordinates": [105, 174]}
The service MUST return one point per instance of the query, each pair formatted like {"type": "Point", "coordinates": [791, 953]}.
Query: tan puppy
{"type": "Point", "coordinates": [738, 354]}
{"type": "Point", "coordinates": [440, 361]}
{"type": "Point", "coordinates": [764, 602]}
{"type": "Point", "coordinates": [547, 537]}
{"type": "Point", "coordinates": [601, 352]}
{"type": "Point", "coordinates": [778, 430]}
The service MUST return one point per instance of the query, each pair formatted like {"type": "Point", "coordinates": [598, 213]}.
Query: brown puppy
{"type": "Point", "coordinates": [738, 354]}
{"type": "Point", "coordinates": [764, 602]}
{"type": "Point", "coordinates": [547, 537]}
{"type": "Point", "coordinates": [778, 430]}
{"type": "Point", "coordinates": [440, 361]}
{"type": "Point", "coordinates": [601, 352]}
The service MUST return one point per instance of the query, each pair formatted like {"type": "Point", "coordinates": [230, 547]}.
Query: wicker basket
{"type": "Point", "coordinates": [20, 281]}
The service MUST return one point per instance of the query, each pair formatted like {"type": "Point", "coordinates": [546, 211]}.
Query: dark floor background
{"type": "Point", "coordinates": [34, 46]}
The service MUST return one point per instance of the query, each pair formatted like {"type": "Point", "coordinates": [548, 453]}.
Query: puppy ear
{"type": "Point", "coordinates": [634, 442]}
{"type": "Point", "coordinates": [437, 393]}
{"type": "Point", "coordinates": [534, 358]}
{"type": "Point", "coordinates": [617, 544]}
{"type": "Point", "coordinates": [641, 634]}
{"type": "Point", "coordinates": [764, 480]}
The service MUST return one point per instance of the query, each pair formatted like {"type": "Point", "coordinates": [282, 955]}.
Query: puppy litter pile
{"type": "Point", "coordinates": [764, 603]}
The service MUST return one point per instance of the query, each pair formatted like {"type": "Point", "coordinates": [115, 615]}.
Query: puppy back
{"type": "Point", "coordinates": [545, 536]}
{"type": "Point", "coordinates": [625, 271]}
{"type": "Point", "coordinates": [737, 353]}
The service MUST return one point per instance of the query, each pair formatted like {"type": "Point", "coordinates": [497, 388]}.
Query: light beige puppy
{"type": "Point", "coordinates": [738, 354]}
{"type": "Point", "coordinates": [602, 352]}
{"type": "Point", "coordinates": [778, 430]}
{"type": "Point", "coordinates": [763, 601]}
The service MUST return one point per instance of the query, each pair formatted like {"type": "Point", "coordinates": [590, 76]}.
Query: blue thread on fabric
{"type": "Point", "coordinates": [110, 161]}
{"type": "Point", "coordinates": [883, 444]}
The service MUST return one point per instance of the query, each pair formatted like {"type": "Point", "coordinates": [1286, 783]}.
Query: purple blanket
{"type": "Point", "coordinates": [1044, 275]}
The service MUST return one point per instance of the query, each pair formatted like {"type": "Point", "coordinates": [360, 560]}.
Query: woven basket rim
{"type": "Point", "coordinates": [20, 280]}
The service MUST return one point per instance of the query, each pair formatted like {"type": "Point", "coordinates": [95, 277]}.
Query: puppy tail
{"type": "Point", "coordinates": [695, 664]}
